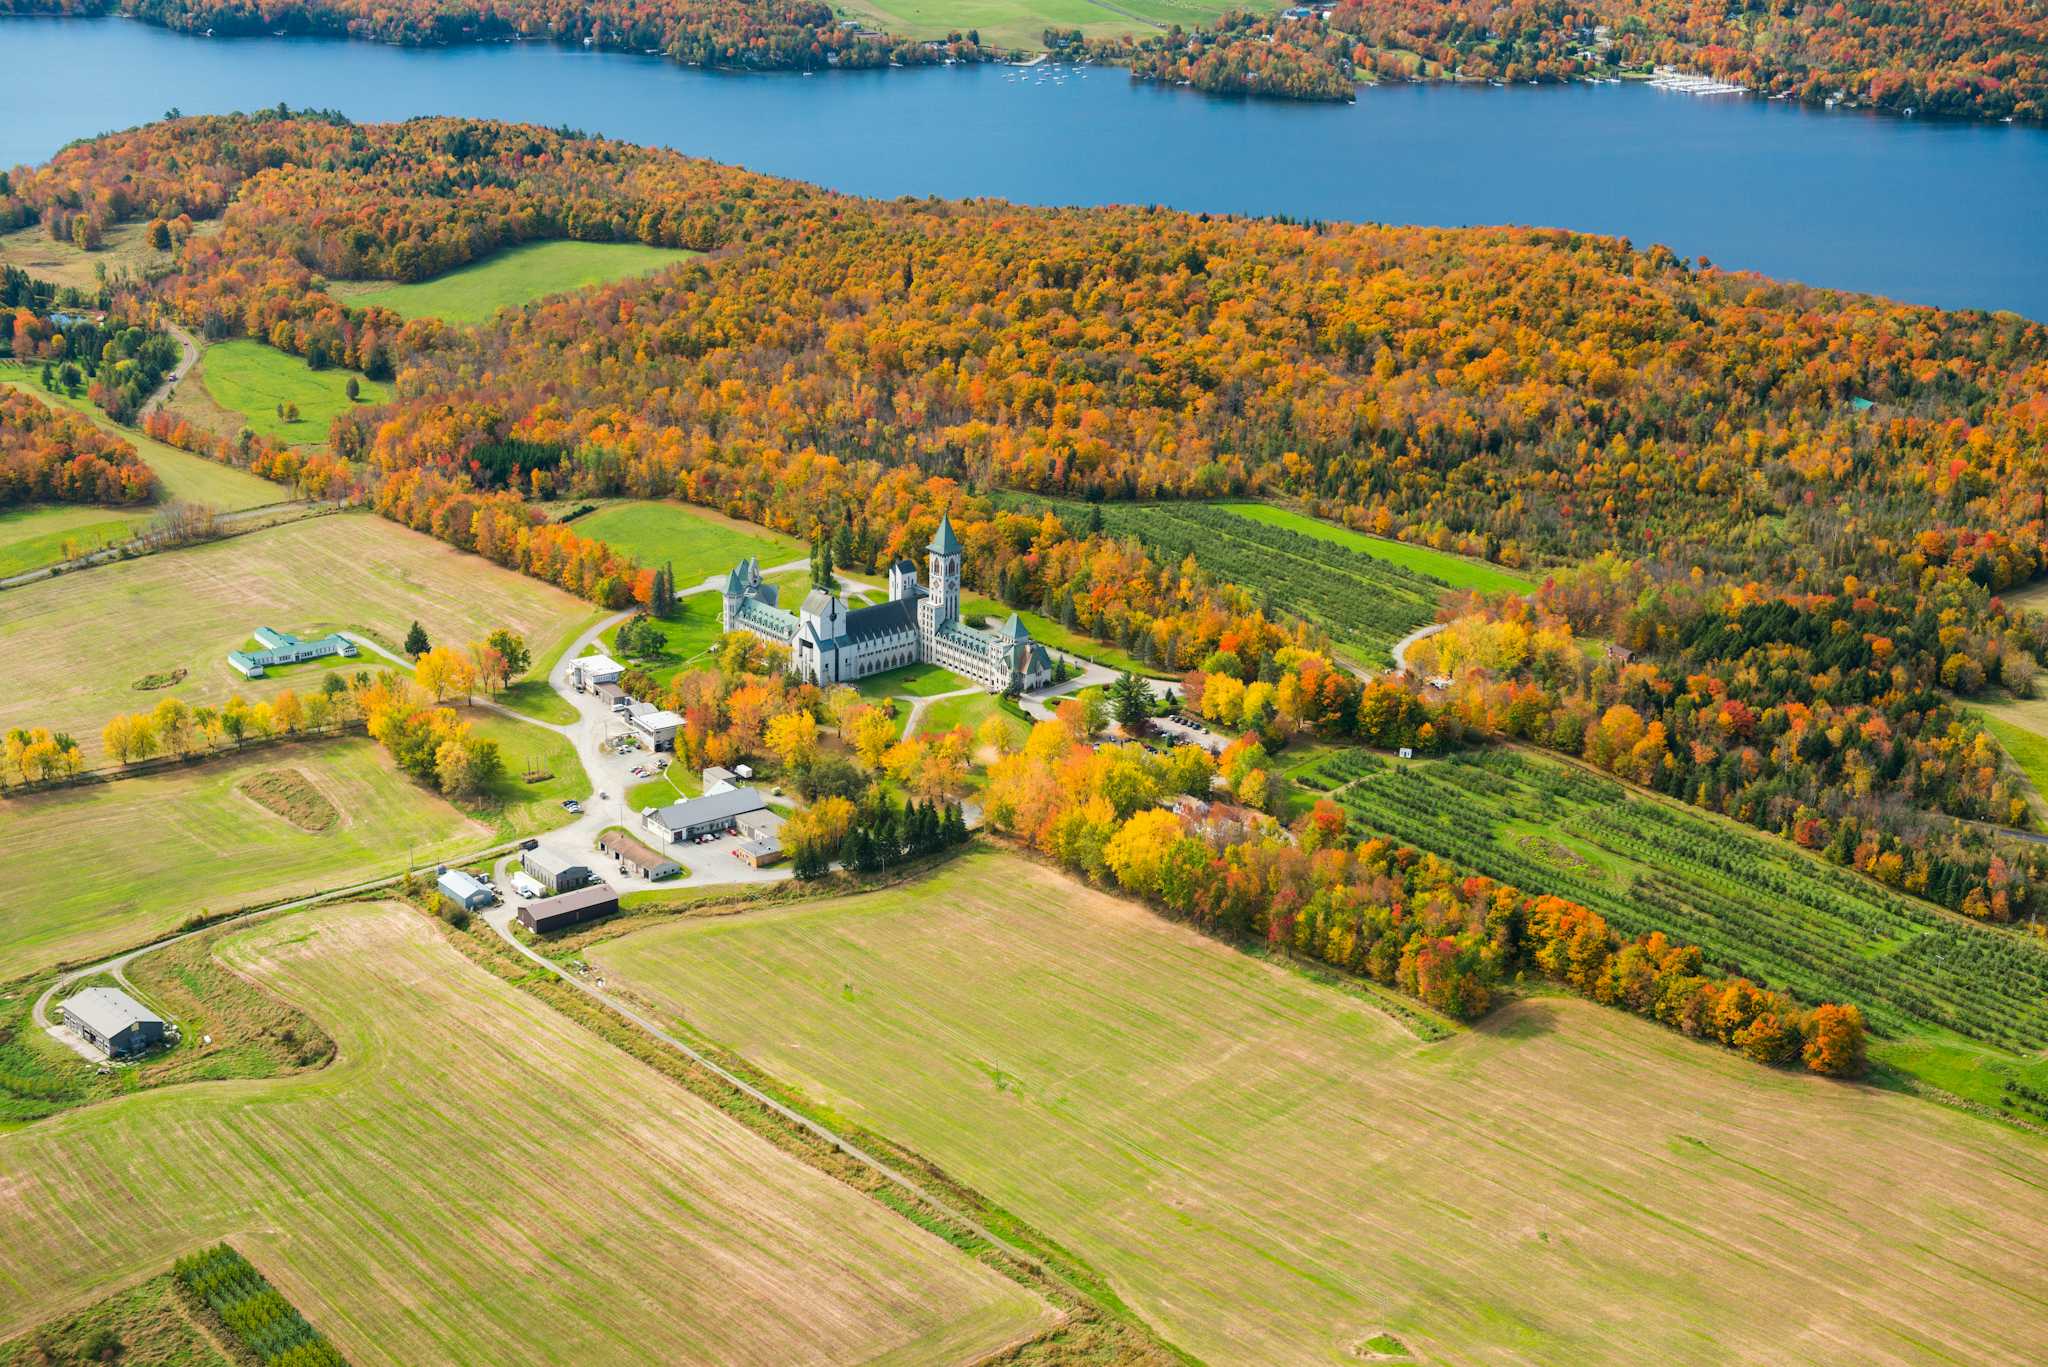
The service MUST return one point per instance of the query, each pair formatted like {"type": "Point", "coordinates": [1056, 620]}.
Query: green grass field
{"type": "Point", "coordinates": [913, 681]}
{"type": "Point", "coordinates": [252, 379]}
{"type": "Point", "coordinates": [1051, 634]}
{"type": "Point", "coordinates": [184, 476]}
{"type": "Point", "coordinates": [515, 276]}
{"type": "Point", "coordinates": [1269, 1169]}
{"type": "Point", "coordinates": [1459, 571]}
{"type": "Point", "coordinates": [970, 712]}
{"type": "Point", "coordinates": [691, 635]}
{"type": "Point", "coordinates": [47, 533]}
{"type": "Point", "coordinates": [2021, 729]}
{"type": "Point", "coordinates": [80, 642]}
{"type": "Point", "coordinates": [699, 543]}
{"type": "Point", "coordinates": [515, 806]}
{"type": "Point", "coordinates": [1928, 981]}
{"type": "Point", "coordinates": [477, 1178]}
{"type": "Point", "coordinates": [1022, 23]}
{"type": "Point", "coordinates": [118, 864]}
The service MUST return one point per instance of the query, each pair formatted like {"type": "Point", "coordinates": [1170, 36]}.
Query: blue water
{"type": "Point", "coordinates": [1929, 211]}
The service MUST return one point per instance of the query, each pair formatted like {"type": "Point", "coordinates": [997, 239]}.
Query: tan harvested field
{"type": "Point", "coordinates": [105, 866]}
{"type": "Point", "coordinates": [1269, 1170]}
{"type": "Point", "coordinates": [80, 642]}
{"type": "Point", "coordinates": [126, 249]}
{"type": "Point", "coordinates": [476, 1179]}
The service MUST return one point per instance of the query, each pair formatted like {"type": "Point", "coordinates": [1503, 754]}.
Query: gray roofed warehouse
{"type": "Point", "coordinates": [114, 1021]}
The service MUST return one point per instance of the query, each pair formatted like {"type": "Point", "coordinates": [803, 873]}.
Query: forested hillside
{"type": "Point", "coordinates": [1797, 509]}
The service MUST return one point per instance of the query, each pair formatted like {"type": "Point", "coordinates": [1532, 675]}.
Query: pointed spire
{"type": "Point", "coordinates": [943, 540]}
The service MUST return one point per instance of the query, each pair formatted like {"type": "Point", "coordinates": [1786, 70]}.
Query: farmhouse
{"type": "Point", "coordinates": [282, 648]}
{"type": "Point", "coordinates": [829, 642]}
{"type": "Point", "coordinates": [711, 814]}
{"type": "Point", "coordinates": [464, 890]}
{"type": "Point", "coordinates": [570, 908]}
{"type": "Point", "coordinates": [555, 872]}
{"type": "Point", "coordinates": [637, 857]}
{"type": "Point", "coordinates": [113, 1021]}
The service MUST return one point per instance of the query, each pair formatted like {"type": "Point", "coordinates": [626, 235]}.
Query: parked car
{"type": "Point", "coordinates": [571, 806]}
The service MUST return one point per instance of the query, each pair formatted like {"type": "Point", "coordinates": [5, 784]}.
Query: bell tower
{"type": "Point", "coordinates": [943, 573]}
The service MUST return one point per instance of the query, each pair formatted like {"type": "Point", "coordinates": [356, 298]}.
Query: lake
{"type": "Point", "coordinates": [1928, 211]}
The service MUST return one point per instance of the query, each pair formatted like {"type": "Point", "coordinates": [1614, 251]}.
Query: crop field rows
{"type": "Point", "coordinates": [1769, 912]}
{"type": "Point", "coordinates": [1365, 603]}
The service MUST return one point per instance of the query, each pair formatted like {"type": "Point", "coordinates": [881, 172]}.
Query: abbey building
{"type": "Point", "coordinates": [829, 642]}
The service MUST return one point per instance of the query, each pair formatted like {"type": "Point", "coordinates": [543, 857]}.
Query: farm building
{"type": "Point", "coordinates": [718, 778]}
{"type": "Point", "coordinates": [277, 648]}
{"type": "Point", "coordinates": [637, 857]}
{"type": "Point", "coordinates": [658, 726]}
{"type": "Point", "coordinates": [111, 1020]}
{"type": "Point", "coordinates": [555, 872]}
{"type": "Point", "coordinates": [592, 670]}
{"type": "Point", "coordinates": [465, 890]}
{"type": "Point", "coordinates": [760, 851]}
{"type": "Point", "coordinates": [712, 814]}
{"type": "Point", "coordinates": [570, 908]}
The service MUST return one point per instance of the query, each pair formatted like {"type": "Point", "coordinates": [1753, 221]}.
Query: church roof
{"type": "Point", "coordinates": [897, 614]}
{"type": "Point", "coordinates": [943, 540]}
{"type": "Point", "coordinates": [1013, 630]}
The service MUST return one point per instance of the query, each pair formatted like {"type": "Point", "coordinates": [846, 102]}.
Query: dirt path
{"type": "Point", "coordinates": [189, 345]}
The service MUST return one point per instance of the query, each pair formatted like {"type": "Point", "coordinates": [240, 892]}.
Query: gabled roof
{"type": "Point", "coordinates": [880, 619]}
{"type": "Point", "coordinates": [1014, 630]}
{"type": "Point", "coordinates": [107, 1011]}
{"type": "Point", "coordinates": [696, 811]}
{"type": "Point", "coordinates": [943, 540]}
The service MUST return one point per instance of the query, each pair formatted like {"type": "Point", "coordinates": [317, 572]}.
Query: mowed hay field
{"type": "Point", "coordinates": [100, 867]}
{"type": "Point", "coordinates": [477, 1179]}
{"type": "Point", "coordinates": [1271, 1170]}
{"type": "Point", "coordinates": [515, 276]}
{"type": "Point", "coordinates": [80, 642]}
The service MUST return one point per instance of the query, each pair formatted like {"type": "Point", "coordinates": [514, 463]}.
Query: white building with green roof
{"type": "Point", "coordinates": [277, 648]}
{"type": "Point", "coordinates": [829, 642]}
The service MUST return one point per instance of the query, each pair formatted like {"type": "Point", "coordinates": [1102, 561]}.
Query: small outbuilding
{"type": "Point", "coordinates": [555, 872]}
{"type": "Point", "coordinates": [658, 725]}
{"type": "Point", "coordinates": [760, 851]}
{"type": "Point", "coordinates": [465, 890]}
{"type": "Point", "coordinates": [591, 670]}
{"type": "Point", "coordinates": [636, 857]}
{"type": "Point", "coordinates": [718, 778]}
{"type": "Point", "coordinates": [569, 909]}
{"type": "Point", "coordinates": [114, 1022]}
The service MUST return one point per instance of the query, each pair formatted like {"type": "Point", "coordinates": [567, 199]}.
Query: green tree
{"type": "Point", "coordinates": [417, 644]}
{"type": "Point", "coordinates": [510, 645]}
{"type": "Point", "coordinates": [354, 389]}
{"type": "Point", "coordinates": [1131, 701]}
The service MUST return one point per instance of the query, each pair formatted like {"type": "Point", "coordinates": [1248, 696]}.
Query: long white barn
{"type": "Point", "coordinates": [828, 642]}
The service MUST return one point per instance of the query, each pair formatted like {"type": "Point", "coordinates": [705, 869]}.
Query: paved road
{"type": "Point", "coordinates": [189, 346]}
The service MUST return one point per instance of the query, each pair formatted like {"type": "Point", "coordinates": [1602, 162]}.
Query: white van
{"type": "Point", "coordinates": [524, 884]}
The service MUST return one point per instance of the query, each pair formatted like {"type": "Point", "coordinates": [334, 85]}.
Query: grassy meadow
{"type": "Point", "coordinates": [126, 250]}
{"type": "Point", "coordinates": [81, 642]}
{"type": "Point", "coordinates": [250, 380]}
{"type": "Point", "coordinates": [689, 638]}
{"type": "Point", "coordinates": [515, 276]}
{"type": "Point", "coordinates": [1270, 1169]}
{"type": "Point", "coordinates": [697, 542]}
{"type": "Point", "coordinates": [1022, 23]}
{"type": "Point", "coordinates": [2021, 730]}
{"type": "Point", "coordinates": [43, 534]}
{"type": "Point", "coordinates": [476, 1178]}
{"type": "Point", "coordinates": [117, 864]}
